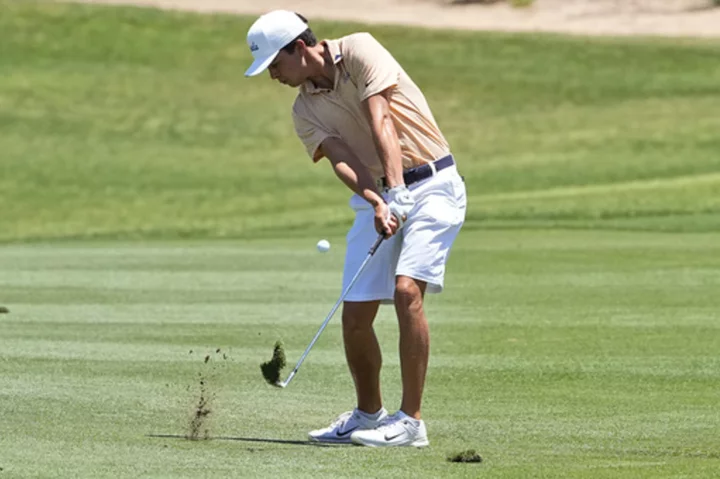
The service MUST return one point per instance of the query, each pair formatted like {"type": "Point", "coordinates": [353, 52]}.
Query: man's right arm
{"type": "Point", "coordinates": [351, 171]}
{"type": "Point", "coordinates": [355, 175]}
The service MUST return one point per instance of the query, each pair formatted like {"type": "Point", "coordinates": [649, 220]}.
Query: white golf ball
{"type": "Point", "coordinates": [323, 246]}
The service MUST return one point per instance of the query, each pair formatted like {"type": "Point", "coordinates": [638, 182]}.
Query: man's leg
{"type": "Point", "coordinates": [405, 428]}
{"type": "Point", "coordinates": [414, 342]}
{"type": "Point", "coordinates": [364, 359]}
{"type": "Point", "coordinates": [373, 286]}
{"type": "Point", "coordinates": [363, 353]}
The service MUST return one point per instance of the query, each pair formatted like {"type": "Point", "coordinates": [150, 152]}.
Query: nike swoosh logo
{"type": "Point", "coordinates": [343, 434]}
{"type": "Point", "coordinates": [390, 438]}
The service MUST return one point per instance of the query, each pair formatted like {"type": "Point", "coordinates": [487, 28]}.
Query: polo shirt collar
{"type": "Point", "coordinates": [333, 47]}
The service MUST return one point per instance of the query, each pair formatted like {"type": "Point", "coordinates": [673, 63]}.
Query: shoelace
{"type": "Point", "coordinates": [388, 422]}
{"type": "Point", "coordinates": [341, 419]}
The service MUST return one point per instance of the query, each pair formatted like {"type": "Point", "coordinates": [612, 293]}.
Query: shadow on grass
{"type": "Point", "coordinates": [245, 439]}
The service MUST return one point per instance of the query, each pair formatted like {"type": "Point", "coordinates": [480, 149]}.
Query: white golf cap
{"type": "Point", "coordinates": [269, 34]}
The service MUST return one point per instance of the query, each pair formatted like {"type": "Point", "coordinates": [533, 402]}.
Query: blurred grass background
{"type": "Point", "coordinates": [126, 122]}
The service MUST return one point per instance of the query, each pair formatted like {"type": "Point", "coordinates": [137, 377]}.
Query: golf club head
{"type": "Point", "coordinates": [283, 384]}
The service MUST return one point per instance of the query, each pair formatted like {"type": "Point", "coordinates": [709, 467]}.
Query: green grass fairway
{"type": "Point", "coordinates": [554, 354]}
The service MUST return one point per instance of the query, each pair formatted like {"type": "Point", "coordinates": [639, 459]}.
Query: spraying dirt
{"type": "Point", "coordinates": [199, 427]}
{"type": "Point", "coordinates": [200, 420]}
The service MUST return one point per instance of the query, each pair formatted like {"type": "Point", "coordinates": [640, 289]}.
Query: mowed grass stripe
{"type": "Point", "coordinates": [648, 198]}
{"type": "Point", "coordinates": [655, 185]}
{"type": "Point", "coordinates": [510, 362]}
{"type": "Point", "coordinates": [489, 315]}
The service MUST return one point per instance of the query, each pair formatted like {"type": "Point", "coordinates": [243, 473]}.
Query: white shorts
{"type": "Point", "coordinates": [419, 251]}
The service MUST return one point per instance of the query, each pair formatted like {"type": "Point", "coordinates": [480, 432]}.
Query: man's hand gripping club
{"type": "Point", "coordinates": [391, 216]}
{"type": "Point", "coordinates": [400, 203]}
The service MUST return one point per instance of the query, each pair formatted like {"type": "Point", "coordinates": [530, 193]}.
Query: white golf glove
{"type": "Point", "coordinates": [400, 203]}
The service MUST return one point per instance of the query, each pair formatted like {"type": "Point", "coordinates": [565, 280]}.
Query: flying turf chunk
{"type": "Point", "coordinates": [271, 369]}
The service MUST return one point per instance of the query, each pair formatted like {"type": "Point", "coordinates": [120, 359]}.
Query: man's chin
{"type": "Point", "coordinates": [289, 83]}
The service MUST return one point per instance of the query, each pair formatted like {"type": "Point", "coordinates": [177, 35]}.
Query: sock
{"type": "Point", "coordinates": [415, 422]}
{"type": "Point", "coordinates": [372, 417]}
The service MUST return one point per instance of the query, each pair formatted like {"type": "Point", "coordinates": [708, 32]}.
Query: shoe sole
{"type": "Point", "coordinates": [419, 443]}
{"type": "Point", "coordinates": [329, 441]}
{"type": "Point", "coordinates": [345, 440]}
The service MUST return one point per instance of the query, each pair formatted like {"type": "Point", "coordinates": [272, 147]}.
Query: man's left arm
{"type": "Point", "coordinates": [376, 74]}
{"type": "Point", "coordinates": [387, 144]}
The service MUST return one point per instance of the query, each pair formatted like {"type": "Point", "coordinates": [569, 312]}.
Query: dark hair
{"type": "Point", "coordinates": [308, 38]}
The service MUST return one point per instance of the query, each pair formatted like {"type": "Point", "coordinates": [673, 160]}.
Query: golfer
{"type": "Point", "coordinates": [358, 108]}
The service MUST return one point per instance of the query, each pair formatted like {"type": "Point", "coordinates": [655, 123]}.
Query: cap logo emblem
{"type": "Point", "coordinates": [254, 47]}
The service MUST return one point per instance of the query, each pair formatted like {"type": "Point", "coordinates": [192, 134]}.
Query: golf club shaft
{"type": "Point", "coordinates": [370, 254]}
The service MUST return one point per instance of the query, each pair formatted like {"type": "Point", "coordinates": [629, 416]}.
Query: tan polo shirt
{"type": "Point", "coordinates": [365, 68]}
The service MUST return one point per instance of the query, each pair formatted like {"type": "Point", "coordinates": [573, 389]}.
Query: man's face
{"type": "Point", "coordinates": [287, 68]}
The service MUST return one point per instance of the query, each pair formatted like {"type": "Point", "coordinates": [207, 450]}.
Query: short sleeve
{"type": "Point", "coordinates": [311, 133]}
{"type": "Point", "coordinates": [371, 66]}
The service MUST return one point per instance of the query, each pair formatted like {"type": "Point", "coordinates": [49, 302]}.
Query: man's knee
{"type": "Point", "coordinates": [359, 316]}
{"type": "Point", "coordinates": [409, 293]}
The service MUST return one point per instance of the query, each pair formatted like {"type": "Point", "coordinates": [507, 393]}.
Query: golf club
{"type": "Point", "coordinates": [373, 249]}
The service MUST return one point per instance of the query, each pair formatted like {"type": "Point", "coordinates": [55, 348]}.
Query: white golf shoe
{"type": "Point", "coordinates": [396, 430]}
{"type": "Point", "coordinates": [341, 429]}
